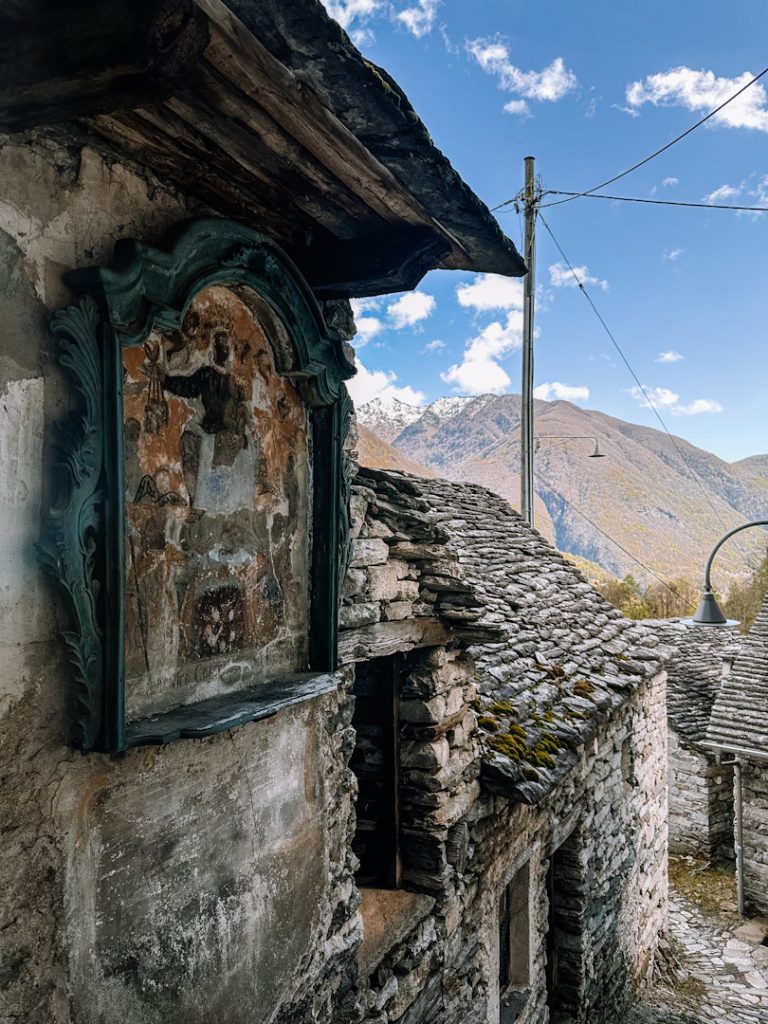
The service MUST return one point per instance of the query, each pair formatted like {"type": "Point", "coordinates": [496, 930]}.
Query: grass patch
{"type": "Point", "coordinates": [711, 888]}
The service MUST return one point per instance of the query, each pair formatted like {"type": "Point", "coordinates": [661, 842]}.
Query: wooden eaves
{"type": "Point", "coordinates": [266, 113]}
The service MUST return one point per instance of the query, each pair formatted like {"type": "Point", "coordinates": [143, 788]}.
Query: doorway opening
{"type": "Point", "coordinates": [376, 763]}
{"type": "Point", "coordinates": [565, 934]}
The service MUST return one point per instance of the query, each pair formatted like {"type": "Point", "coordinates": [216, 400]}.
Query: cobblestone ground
{"type": "Point", "coordinates": [725, 971]}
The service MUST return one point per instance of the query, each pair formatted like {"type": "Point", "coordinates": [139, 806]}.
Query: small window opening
{"type": "Point", "coordinates": [376, 763]}
{"type": "Point", "coordinates": [514, 946]}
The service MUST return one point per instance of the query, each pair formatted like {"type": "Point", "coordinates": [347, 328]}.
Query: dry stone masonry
{"type": "Point", "coordinates": [575, 821]}
{"type": "Point", "coordinates": [700, 785]}
{"type": "Point", "coordinates": [738, 728]}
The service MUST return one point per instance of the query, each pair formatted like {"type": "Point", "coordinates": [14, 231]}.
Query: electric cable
{"type": "Point", "coordinates": [643, 390]}
{"type": "Point", "coordinates": [652, 202]}
{"type": "Point", "coordinates": [657, 152]}
{"type": "Point", "coordinates": [599, 529]}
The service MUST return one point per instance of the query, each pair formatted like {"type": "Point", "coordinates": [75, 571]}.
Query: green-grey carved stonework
{"type": "Point", "coordinates": [149, 289]}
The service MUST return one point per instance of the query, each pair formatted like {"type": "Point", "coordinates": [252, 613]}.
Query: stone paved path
{"type": "Point", "coordinates": [727, 977]}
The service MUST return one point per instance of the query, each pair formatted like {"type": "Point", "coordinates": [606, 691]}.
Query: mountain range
{"type": "Point", "coordinates": [655, 504]}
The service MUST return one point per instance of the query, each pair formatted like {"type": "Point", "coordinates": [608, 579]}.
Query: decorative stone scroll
{"type": "Point", "coordinates": [202, 528]}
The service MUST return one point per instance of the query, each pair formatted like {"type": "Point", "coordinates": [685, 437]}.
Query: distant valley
{"type": "Point", "coordinates": [641, 497]}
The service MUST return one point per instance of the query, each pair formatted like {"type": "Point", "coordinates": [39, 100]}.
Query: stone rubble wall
{"type": "Point", "coordinates": [618, 822]}
{"type": "Point", "coordinates": [461, 843]}
{"type": "Point", "coordinates": [700, 803]}
{"type": "Point", "coordinates": [755, 810]}
{"type": "Point", "coordinates": [700, 790]}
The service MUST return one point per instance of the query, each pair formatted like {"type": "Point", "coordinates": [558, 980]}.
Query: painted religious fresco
{"type": "Point", "coordinates": [217, 493]}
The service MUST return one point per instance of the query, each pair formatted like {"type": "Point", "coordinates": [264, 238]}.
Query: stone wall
{"type": "Point", "coordinates": [755, 804]}
{"type": "Point", "coordinates": [444, 970]}
{"type": "Point", "coordinates": [151, 886]}
{"type": "Point", "coordinates": [700, 790]}
{"type": "Point", "coordinates": [700, 803]}
{"type": "Point", "coordinates": [213, 879]}
{"type": "Point", "coordinates": [461, 843]}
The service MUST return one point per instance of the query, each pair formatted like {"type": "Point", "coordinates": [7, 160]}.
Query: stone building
{"type": "Point", "coordinates": [738, 732]}
{"type": "Point", "coordinates": [538, 837]}
{"type": "Point", "coordinates": [700, 784]}
{"type": "Point", "coordinates": [276, 747]}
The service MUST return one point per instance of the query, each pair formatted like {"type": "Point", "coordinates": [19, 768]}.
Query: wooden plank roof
{"type": "Point", "coordinates": [266, 112]}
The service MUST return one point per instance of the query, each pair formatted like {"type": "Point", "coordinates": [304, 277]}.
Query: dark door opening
{"type": "Point", "coordinates": [376, 763]}
{"type": "Point", "coordinates": [565, 946]}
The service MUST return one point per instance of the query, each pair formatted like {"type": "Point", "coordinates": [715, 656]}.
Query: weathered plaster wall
{"type": "Point", "coordinates": [204, 880]}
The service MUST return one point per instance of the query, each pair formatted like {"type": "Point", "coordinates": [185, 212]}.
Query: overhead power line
{"type": "Point", "coordinates": [663, 149]}
{"type": "Point", "coordinates": [651, 156]}
{"type": "Point", "coordinates": [636, 379]}
{"type": "Point", "coordinates": [652, 202]}
{"type": "Point", "coordinates": [613, 540]}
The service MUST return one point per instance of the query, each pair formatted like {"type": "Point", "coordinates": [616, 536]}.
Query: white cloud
{"type": "Point", "coordinates": [435, 346]}
{"type": "Point", "coordinates": [696, 407]}
{"type": "Point", "coordinates": [561, 277]}
{"type": "Point", "coordinates": [666, 399]}
{"type": "Point", "coordinates": [724, 192]}
{"type": "Point", "coordinates": [491, 291]}
{"type": "Point", "coordinates": [626, 110]}
{"type": "Point", "coordinates": [369, 384]}
{"type": "Point", "coordinates": [669, 357]}
{"type": "Point", "coordinates": [554, 390]}
{"type": "Point", "coordinates": [479, 372]}
{"type": "Point", "coordinates": [659, 397]}
{"type": "Point", "coordinates": [550, 84]}
{"type": "Point", "coordinates": [346, 12]}
{"type": "Point", "coordinates": [477, 377]}
{"type": "Point", "coordinates": [519, 108]}
{"type": "Point", "coordinates": [420, 19]}
{"type": "Point", "coordinates": [702, 91]}
{"type": "Point", "coordinates": [670, 255]}
{"type": "Point", "coordinates": [670, 182]}
{"type": "Point", "coordinates": [410, 309]}
{"type": "Point", "coordinates": [367, 326]}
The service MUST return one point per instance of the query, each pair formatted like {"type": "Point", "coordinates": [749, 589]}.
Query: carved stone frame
{"type": "Point", "coordinates": [83, 545]}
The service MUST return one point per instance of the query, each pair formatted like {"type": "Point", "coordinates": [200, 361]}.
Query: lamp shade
{"type": "Point", "coordinates": [709, 613]}
{"type": "Point", "coordinates": [596, 454]}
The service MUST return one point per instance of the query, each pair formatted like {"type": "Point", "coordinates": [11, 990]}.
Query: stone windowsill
{"type": "Point", "coordinates": [218, 714]}
{"type": "Point", "coordinates": [389, 915]}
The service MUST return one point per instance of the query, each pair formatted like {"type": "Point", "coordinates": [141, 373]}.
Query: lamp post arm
{"type": "Point", "coordinates": [716, 548]}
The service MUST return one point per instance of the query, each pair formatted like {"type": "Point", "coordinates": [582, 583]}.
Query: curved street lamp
{"type": "Point", "coordinates": [596, 454]}
{"type": "Point", "coordinates": [709, 612]}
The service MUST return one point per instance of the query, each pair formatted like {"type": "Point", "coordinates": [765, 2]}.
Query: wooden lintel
{"type": "Point", "coordinates": [385, 638]}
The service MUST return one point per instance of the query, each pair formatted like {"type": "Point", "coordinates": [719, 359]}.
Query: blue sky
{"type": "Point", "coordinates": [588, 90]}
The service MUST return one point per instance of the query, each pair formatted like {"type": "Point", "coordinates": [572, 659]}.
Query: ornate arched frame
{"type": "Point", "coordinates": [83, 545]}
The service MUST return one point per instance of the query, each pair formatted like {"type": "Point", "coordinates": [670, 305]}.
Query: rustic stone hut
{"type": "Point", "coordinates": [189, 187]}
{"type": "Point", "coordinates": [700, 784]}
{"type": "Point", "coordinates": [738, 733]}
{"type": "Point", "coordinates": [536, 838]}
{"type": "Point", "coordinates": [243, 776]}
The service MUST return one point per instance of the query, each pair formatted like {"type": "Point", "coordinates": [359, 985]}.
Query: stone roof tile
{"type": "Point", "coordinates": [567, 659]}
{"type": "Point", "coordinates": [739, 719]}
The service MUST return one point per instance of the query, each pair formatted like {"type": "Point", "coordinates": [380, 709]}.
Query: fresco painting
{"type": "Point", "coordinates": [217, 494]}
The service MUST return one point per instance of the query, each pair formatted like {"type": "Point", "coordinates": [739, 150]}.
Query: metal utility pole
{"type": "Point", "coordinates": [526, 419]}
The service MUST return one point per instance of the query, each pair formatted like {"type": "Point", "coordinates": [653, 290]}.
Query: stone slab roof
{"type": "Point", "coordinates": [563, 660]}
{"type": "Point", "coordinates": [694, 671]}
{"type": "Point", "coordinates": [739, 719]}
